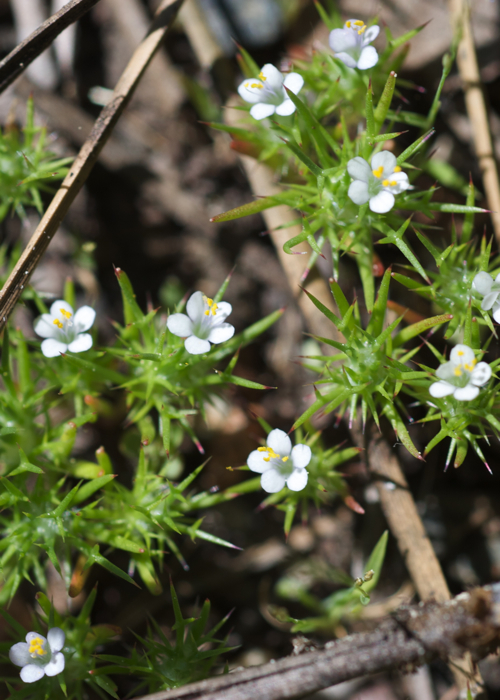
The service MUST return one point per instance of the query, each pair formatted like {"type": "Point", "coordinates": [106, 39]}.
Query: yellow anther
{"type": "Point", "coordinates": [285, 459]}
{"type": "Point", "coordinates": [58, 323]}
{"type": "Point", "coordinates": [257, 85]}
{"type": "Point", "coordinates": [397, 169]}
{"type": "Point", "coordinates": [394, 183]}
{"type": "Point", "coordinates": [270, 454]}
{"type": "Point", "coordinates": [460, 353]}
{"type": "Point", "coordinates": [385, 183]}
{"type": "Point", "coordinates": [65, 313]}
{"type": "Point", "coordinates": [359, 23]}
{"type": "Point", "coordinates": [262, 76]}
{"type": "Point", "coordinates": [378, 172]}
{"type": "Point", "coordinates": [212, 306]}
{"type": "Point", "coordinates": [458, 372]}
{"type": "Point", "coordinates": [36, 647]}
{"type": "Point", "coordinates": [362, 30]}
{"type": "Point", "coordinates": [348, 24]}
{"type": "Point", "coordinates": [471, 366]}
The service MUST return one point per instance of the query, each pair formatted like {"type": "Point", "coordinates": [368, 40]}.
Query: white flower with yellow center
{"type": "Point", "coordinates": [490, 289]}
{"type": "Point", "coordinates": [267, 92]}
{"type": "Point", "coordinates": [39, 656]}
{"type": "Point", "coordinates": [461, 376]}
{"type": "Point", "coordinates": [351, 44]}
{"type": "Point", "coordinates": [204, 323]}
{"type": "Point", "coordinates": [64, 330]}
{"type": "Point", "coordinates": [279, 464]}
{"type": "Point", "coordinates": [378, 183]}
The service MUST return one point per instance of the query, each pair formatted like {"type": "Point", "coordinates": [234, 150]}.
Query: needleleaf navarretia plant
{"type": "Point", "coordinates": [350, 162]}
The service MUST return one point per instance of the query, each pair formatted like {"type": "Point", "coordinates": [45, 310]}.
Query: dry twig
{"type": "Point", "coordinates": [414, 635]}
{"type": "Point", "coordinates": [86, 159]}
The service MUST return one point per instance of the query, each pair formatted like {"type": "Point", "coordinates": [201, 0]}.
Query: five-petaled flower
{"type": "Point", "coordinates": [279, 464]}
{"type": "Point", "coordinates": [204, 323]}
{"type": "Point", "coordinates": [64, 330]}
{"type": "Point", "coordinates": [376, 184]}
{"type": "Point", "coordinates": [39, 656]}
{"type": "Point", "coordinates": [267, 92]}
{"type": "Point", "coordinates": [461, 376]}
{"type": "Point", "coordinates": [490, 289]}
{"type": "Point", "coordinates": [351, 44]}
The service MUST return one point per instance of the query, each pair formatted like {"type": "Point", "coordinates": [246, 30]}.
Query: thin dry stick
{"type": "Point", "coordinates": [26, 52]}
{"type": "Point", "coordinates": [86, 159]}
{"type": "Point", "coordinates": [414, 635]}
{"type": "Point", "coordinates": [476, 107]}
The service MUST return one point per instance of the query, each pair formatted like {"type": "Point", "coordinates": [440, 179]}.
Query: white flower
{"type": "Point", "coordinates": [39, 656]}
{"type": "Point", "coordinates": [461, 376]}
{"type": "Point", "coordinates": [279, 464]}
{"type": "Point", "coordinates": [350, 44]}
{"type": "Point", "coordinates": [204, 323]}
{"type": "Point", "coordinates": [267, 92]}
{"type": "Point", "coordinates": [376, 184]}
{"type": "Point", "coordinates": [490, 289]}
{"type": "Point", "coordinates": [63, 330]}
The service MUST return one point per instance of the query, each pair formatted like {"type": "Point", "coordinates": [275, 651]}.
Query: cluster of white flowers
{"type": "Point", "coordinates": [39, 656]}
{"type": "Point", "coordinates": [351, 44]}
{"type": "Point", "coordinates": [461, 376]}
{"type": "Point", "coordinates": [203, 324]}
{"type": "Point", "coordinates": [376, 183]}
{"type": "Point", "coordinates": [64, 330]}
{"type": "Point", "coordinates": [267, 92]}
{"type": "Point", "coordinates": [279, 464]}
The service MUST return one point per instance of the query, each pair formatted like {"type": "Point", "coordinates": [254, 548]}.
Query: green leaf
{"type": "Point", "coordinates": [315, 169]}
{"type": "Point", "coordinates": [131, 309]}
{"type": "Point", "coordinates": [385, 101]}
{"type": "Point", "coordinates": [420, 327]}
{"type": "Point", "coordinates": [254, 207]}
{"type": "Point", "coordinates": [376, 323]}
{"type": "Point", "coordinates": [92, 486]}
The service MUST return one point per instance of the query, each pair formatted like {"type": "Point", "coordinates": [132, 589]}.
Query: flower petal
{"type": "Point", "coordinates": [341, 40]}
{"type": "Point", "coordinates": [274, 79]}
{"type": "Point", "coordinates": [358, 192]}
{"type": "Point", "coordinates": [53, 348]}
{"type": "Point", "coordinates": [256, 462]}
{"type": "Point", "coordinates": [462, 355]}
{"type": "Point", "coordinates": [195, 306]}
{"type": "Point", "coordinates": [84, 319]}
{"type": "Point", "coordinates": [19, 654]}
{"type": "Point", "coordinates": [496, 312]}
{"type": "Point", "coordinates": [196, 346]}
{"type": "Point", "coordinates": [482, 283]}
{"type": "Point", "coordinates": [466, 393]}
{"type": "Point", "coordinates": [55, 638]}
{"type": "Point", "coordinates": [446, 371]}
{"type": "Point", "coordinates": [346, 59]}
{"type": "Point", "coordinates": [262, 110]}
{"type": "Point", "coordinates": [385, 160]}
{"type": "Point", "coordinates": [301, 456]}
{"type": "Point", "coordinates": [382, 202]}
{"type": "Point", "coordinates": [297, 479]}
{"type": "Point", "coordinates": [32, 673]}
{"type": "Point", "coordinates": [221, 333]}
{"type": "Point", "coordinates": [272, 481]}
{"type": "Point", "coordinates": [55, 665]}
{"type": "Point", "coordinates": [368, 58]}
{"type": "Point", "coordinates": [294, 82]}
{"type": "Point", "coordinates": [285, 108]}
{"type": "Point", "coordinates": [371, 34]}
{"type": "Point", "coordinates": [247, 94]}
{"type": "Point", "coordinates": [402, 182]}
{"type": "Point", "coordinates": [180, 324]}
{"type": "Point", "coordinates": [359, 169]}
{"type": "Point", "coordinates": [224, 308]}
{"type": "Point", "coordinates": [480, 374]}
{"type": "Point", "coordinates": [44, 326]}
{"type": "Point", "coordinates": [59, 304]}
{"type": "Point", "coordinates": [489, 301]}
{"type": "Point", "coordinates": [440, 389]}
{"type": "Point", "coordinates": [81, 343]}
{"type": "Point", "coordinates": [279, 441]}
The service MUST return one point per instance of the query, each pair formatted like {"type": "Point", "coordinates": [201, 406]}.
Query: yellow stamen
{"type": "Point", "coordinates": [285, 459]}
{"type": "Point", "coordinates": [212, 306]}
{"type": "Point", "coordinates": [270, 454]}
{"type": "Point", "coordinates": [257, 85]}
{"type": "Point", "coordinates": [471, 366]}
{"type": "Point", "coordinates": [385, 183]}
{"type": "Point", "coordinates": [397, 169]}
{"type": "Point", "coordinates": [458, 372]}
{"type": "Point", "coordinates": [348, 24]}
{"type": "Point", "coordinates": [362, 30]}
{"type": "Point", "coordinates": [36, 647]}
{"type": "Point", "coordinates": [359, 23]}
{"type": "Point", "coordinates": [262, 76]}
{"type": "Point", "coordinates": [394, 183]}
{"type": "Point", "coordinates": [58, 323]}
{"type": "Point", "coordinates": [378, 172]}
{"type": "Point", "coordinates": [460, 353]}
{"type": "Point", "coordinates": [65, 313]}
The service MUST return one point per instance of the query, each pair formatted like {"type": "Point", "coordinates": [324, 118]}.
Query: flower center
{"type": "Point", "coordinates": [378, 171]}
{"type": "Point", "coordinates": [212, 306]}
{"type": "Point", "coordinates": [272, 454]}
{"type": "Point", "coordinates": [36, 648]}
{"type": "Point", "coordinates": [64, 323]}
{"type": "Point", "coordinates": [262, 76]}
{"type": "Point", "coordinates": [357, 25]}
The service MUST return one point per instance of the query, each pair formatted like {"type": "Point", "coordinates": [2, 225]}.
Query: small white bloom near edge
{"type": "Point", "coordinates": [267, 92]}
{"type": "Point", "coordinates": [280, 464]}
{"type": "Point", "coordinates": [203, 324]}
{"type": "Point", "coordinates": [351, 44]}
{"type": "Point", "coordinates": [461, 376]}
{"type": "Point", "coordinates": [39, 656]}
{"type": "Point", "coordinates": [64, 330]}
{"type": "Point", "coordinates": [377, 184]}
